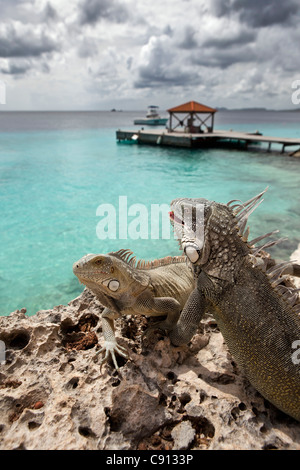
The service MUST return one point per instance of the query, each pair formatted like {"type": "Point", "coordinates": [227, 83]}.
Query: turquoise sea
{"type": "Point", "coordinates": [57, 168]}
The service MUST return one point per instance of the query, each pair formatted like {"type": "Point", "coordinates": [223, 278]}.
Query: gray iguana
{"type": "Point", "coordinates": [125, 286]}
{"type": "Point", "coordinates": [256, 313]}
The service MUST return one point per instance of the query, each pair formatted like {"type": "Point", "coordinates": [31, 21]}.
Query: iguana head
{"type": "Point", "coordinates": [213, 235]}
{"type": "Point", "coordinates": [110, 275]}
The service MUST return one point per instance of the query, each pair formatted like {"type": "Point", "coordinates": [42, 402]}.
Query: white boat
{"type": "Point", "coordinates": [152, 118]}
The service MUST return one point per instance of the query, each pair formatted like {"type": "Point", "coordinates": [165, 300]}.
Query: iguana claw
{"type": "Point", "coordinates": [110, 347]}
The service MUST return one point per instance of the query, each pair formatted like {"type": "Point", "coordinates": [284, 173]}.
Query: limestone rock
{"type": "Point", "coordinates": [183, 435]}
{"type": "Point", "coordinates": [53, 396]}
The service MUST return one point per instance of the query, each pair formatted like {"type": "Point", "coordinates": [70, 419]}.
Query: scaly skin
{"type": "Point", "coordinates": [257, 315]}
{"type": "Point", "coordinates": [124, 287]}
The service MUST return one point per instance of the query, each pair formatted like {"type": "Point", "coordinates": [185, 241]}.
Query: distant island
{"type": "Point", "coordinates": [258, 109]}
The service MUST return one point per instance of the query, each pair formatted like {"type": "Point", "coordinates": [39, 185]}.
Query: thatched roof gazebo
{"type": "Point", "coordinates": [192, 122]}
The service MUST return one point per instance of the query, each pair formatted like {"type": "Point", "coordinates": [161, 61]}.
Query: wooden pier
{"type": "Point", "coordinates": [215, 139]}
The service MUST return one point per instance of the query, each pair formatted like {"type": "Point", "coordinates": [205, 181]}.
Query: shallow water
{"type": "Point", "coordinates": [57, 168]}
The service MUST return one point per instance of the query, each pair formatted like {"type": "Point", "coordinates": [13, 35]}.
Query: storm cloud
{"type": "Point", "coordinates": [91, 11]}
{"type": "Point", "coordinates": [231, 39]}
{"type": "Point", "coordinates": [224, 58]}
{"type": "Point", "coordinates": [158, 66]}
{"type": "Point", "coordinates": [89, 53]}
{"type": "Point", "coordinates": [267, 13]}
{"type": "Point", "coordinates": [24, 42]}
{"type": "Point", "coordinates": [189, 40]}
{"type": "Point", "coordinates": [16, 67]}
{"type": "Point", "coordinates": [257, 13]}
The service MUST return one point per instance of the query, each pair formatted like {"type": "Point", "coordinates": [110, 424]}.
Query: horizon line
{"type": "Point", "coordinates": [221, 108]}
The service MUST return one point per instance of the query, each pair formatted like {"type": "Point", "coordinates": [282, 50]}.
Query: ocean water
{"type": "Point", "coordinates": [56, 169]}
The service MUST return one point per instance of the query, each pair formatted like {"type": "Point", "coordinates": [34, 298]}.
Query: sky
{"type": "Point", "coordinates": [128, 54]}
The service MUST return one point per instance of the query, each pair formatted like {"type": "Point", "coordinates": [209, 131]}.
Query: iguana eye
{"type": "Point", "coordinates": [192, 254]}
{"type": "Point", "coordinates": [113, 285]}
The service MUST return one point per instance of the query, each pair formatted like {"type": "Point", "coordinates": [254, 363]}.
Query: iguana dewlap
{"type": "Point", "coordinates": [256, 313]}
{"type": "Point", "coordinates": [124, 287]}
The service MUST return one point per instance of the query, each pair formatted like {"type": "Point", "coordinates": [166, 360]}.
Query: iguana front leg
{"type": "Point", "coordinates": [110, 343]}
{"type": "Point", "coordinates": [189, 319]}
{"type": "Point", "coordinates": [205, 295]}
{"type": "Point", "coordinates": [156, 306]}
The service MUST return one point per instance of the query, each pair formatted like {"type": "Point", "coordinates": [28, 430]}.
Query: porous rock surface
{"type": "Point", "coordinates": [53, 395]}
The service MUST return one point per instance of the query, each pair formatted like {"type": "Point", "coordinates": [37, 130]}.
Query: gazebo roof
{"type": "Point", "coordinates": [192, 107]}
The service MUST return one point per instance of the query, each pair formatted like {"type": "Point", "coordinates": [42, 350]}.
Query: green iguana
{"type": "Point", "coordinates": [125, 286]}
{"type": "Point", "coordinates": [256, 313]}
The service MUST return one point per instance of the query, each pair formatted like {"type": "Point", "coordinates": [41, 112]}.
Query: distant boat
{"type": "Point", "coordinates": [152, 118]}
